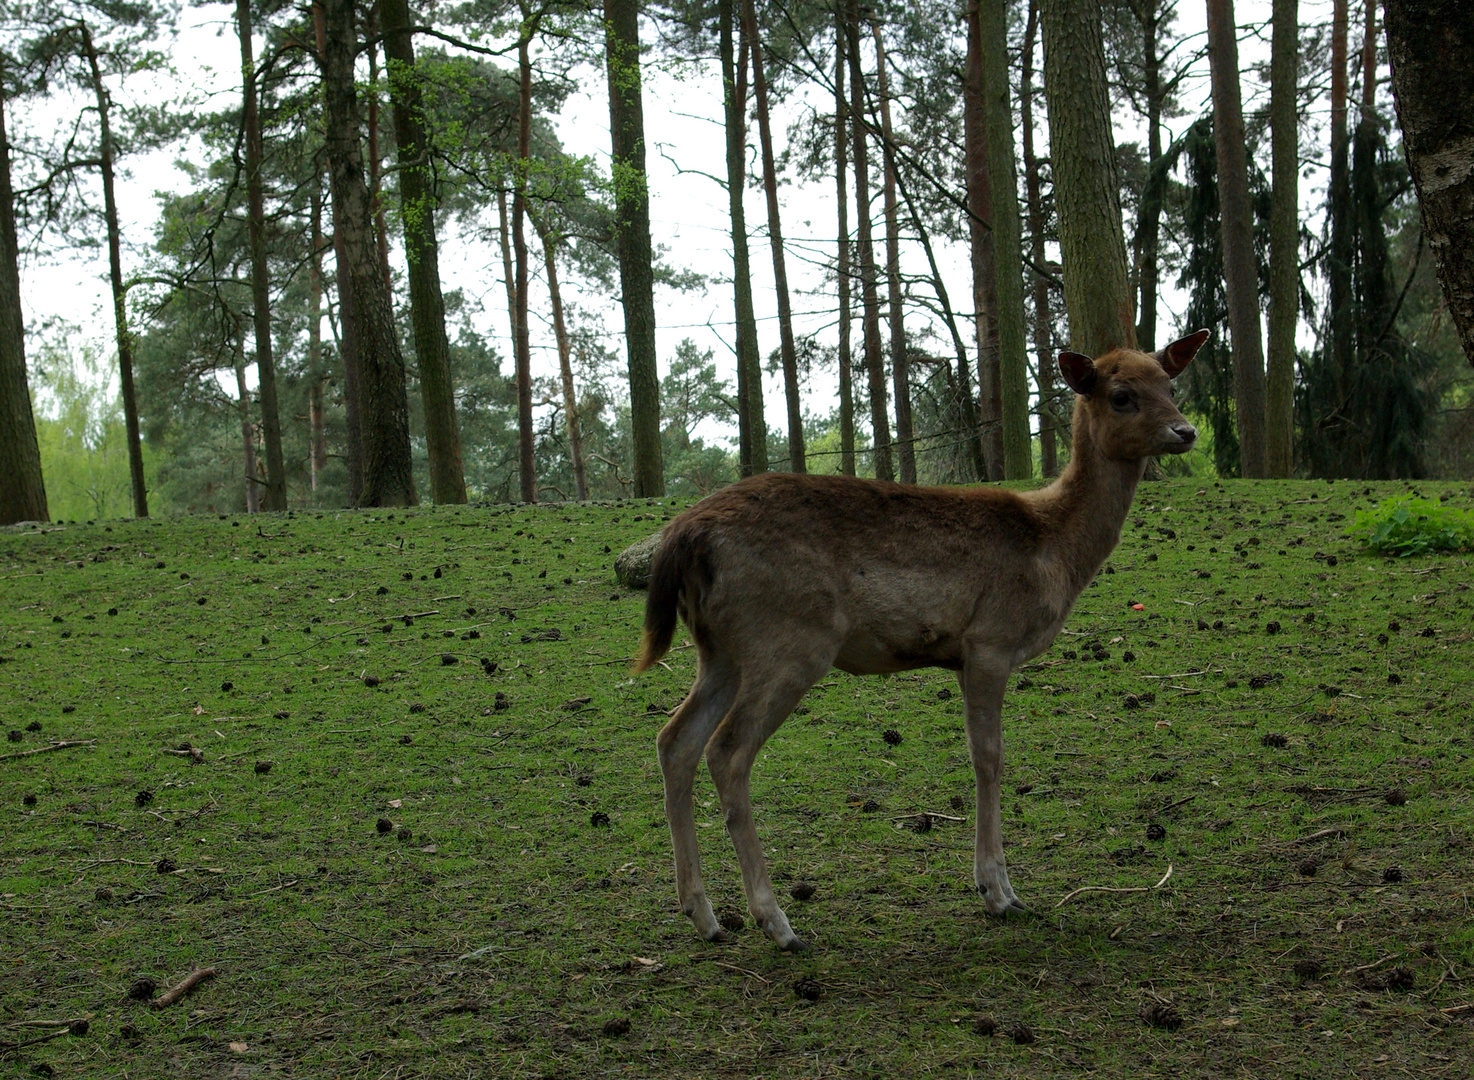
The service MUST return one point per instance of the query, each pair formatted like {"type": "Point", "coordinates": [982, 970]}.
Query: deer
{"type": "Point", "coordinates": [780, 577]}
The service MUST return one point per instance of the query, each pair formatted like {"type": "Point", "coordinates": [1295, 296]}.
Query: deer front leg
{"type": "Point", "coordinates": [984, 677]}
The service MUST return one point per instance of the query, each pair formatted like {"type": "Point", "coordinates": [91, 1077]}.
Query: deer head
{"type": "Point", "coordinates": [1126, 399]}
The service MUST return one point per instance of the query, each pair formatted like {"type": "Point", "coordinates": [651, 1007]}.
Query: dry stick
{"type": "Point", "coordinates": [1175, 805]}
{"type": "Point", "coordinates": [1457, 1008]}
{"type": "Point", "coordinates": [6, 1047]}
{"type": "Point", "coordinates": [1321, 834]}
{"type": "Point", "coordinates": [187, 984]}
{"type": "Point", "coordinates": [47, 749]}
{"type": "Point", "coordinates": [1107, 888]}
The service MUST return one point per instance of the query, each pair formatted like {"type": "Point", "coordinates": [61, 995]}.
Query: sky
{"type": "Point", "coordinates": [688, 208]}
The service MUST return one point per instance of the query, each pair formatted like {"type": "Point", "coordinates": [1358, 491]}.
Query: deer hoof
{"type": "Point", "coordinates": [795, 944]}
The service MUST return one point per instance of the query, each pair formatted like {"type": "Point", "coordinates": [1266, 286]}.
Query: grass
{"type": "Point", "coordinates": [1255, 716]}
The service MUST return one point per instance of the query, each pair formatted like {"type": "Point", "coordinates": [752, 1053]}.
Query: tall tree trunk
{"type": "Point", "coordinates": [1284, 238]}
{"type": "Point", "coordinates": [508, 277]}
{"type": "Point", "coordinates": [375, 158]}
{"type": "Point", "coordinates": [422, 254]}
{"type": "Point", "coordinates": [22, 488]}
{"type": "Point", "coordinates": [565, 363]}
{"type": "Point", "coordinates": [1043, 345]}
{"type": "Point", "coordinates": [317, 442]}
{"type": "Point", "coordinates": [1340, 318]}
{"type": "Point", "coordinates": [1146, 239]}
{"type": "Point", "coordinates": [632, 214]}
{"type": "Point", "coordinates": [865, 249]}
{"type": "Point", "coordinates": [249, 476]}
{"type": "Point", "coordinates": [752, 426]}
{"type": "Point", "coordinates": [276, 473]}
{"type": "Point", "coordinates": [1087, 191]}
{"type": "Point", "coordinates": [980, 233]}
{"type": "Point", "coordinates": [1013, 364]}
{"type": "Point", "coordinates": [1431, 45]}
{"type": "Point", "coordinates": [842, 259]}
{"type": "Point", "coordinates": [388, 478]}
{"type": "Point", "coordinates": [1241, 278]}
{"type": "Point", "coordinates": [787, 351]}
{"type": "Point", "coordinates": [347, 317]}
{"type": "Point", "coordinates": [526, 463]}
{"type": "Point", "coordinates": [115, 270]}
{"type": "Point", "coordinates": [900, 363]}
{"type": "Point", "coordinates": [961, 383]}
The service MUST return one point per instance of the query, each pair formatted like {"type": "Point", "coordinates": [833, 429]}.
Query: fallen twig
{"type": "Point", "coordinates": [65, 745]}
{"type": "Point", "coordinates": [275, 888]}
{"type": "Point", "coordinates": [1321, 834]}
{"type": "Point", "coordinates": [1458, 1008]}
{"type": "Point", "coordinates": [927, 814]}
{"type": "Point", "coordinates": [186, 984]}
{"type": "Point", "coordinates": [1108, 888]}
{"type": "Point", "coordinates": [1373, 964]}
{"type": "Point", "coordinates": [1175, 805]}
{"type": "Point", "coordinates": [73, 1027]}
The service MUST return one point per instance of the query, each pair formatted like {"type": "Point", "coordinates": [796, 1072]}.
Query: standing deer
{"type": "Point", "coordinates": [781, 577]}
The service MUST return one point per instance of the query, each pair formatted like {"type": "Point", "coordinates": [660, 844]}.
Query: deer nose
{"type": "Point", "coordinates": [1186, 432]}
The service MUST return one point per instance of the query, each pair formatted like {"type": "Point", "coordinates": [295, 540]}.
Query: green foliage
{"type": "Point", "coordinates": [79, 425]}
{"type": "Point", "coordinates": [1411, 526]}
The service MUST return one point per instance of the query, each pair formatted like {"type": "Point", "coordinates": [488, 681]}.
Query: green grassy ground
{"type": "Point", "coordinates": [1285, 725]}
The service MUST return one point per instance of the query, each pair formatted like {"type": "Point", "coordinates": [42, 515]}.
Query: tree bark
{"type": "Point", "coordinates": [508, 277]}
{"type": "Point", "coordinates": [842, 259]}
{"type": "Point", "coordinates": [316, 377]}
{"type": "Point", "coordinates": [375, 159]}
{"type": "Point", "coordinates": [388, 478]}
{"type": "Point", "coordinates": [900, 363]}
{"type": "Point", "coordinates": [417, 201]}
{"type": "Point", "coordinates": [276, 473]}
{"type": "Point", "coordinates": [1284, 238]}
{"type": "Point", "coordinates": [120, 289]}
{"type": "Point", "coordinates": [347, 316]}
{"type": "Point", "coordinates": [1013, 365]}
{"type": "Point", "coordinates": [752, 426]}
{"type": "Point", "coordinates": [1146, 237]}
{"type": "Point", "coordinates": [565, 364]}
{"type": "Point", "coordinates": [1431, 44]}
{"type": "Point", "coordinates": [1043, 345]}
{"type": "Point", "coordinates": [632, 213]}
{"type": "Point", "coordinates": [865, 249]}
{"type": "Point", "coordinates": [521, 332]}
{"type": "Point", "coordinates": [1339, 257]}
{"type": "Point", "coordinates": [22, 487]}
{"type": "Point", "coordinates": [786, 349]}
{"type": "Point", "coordinates": [251, 483]}
{"type": "Point", "coordinates": [961, 383]}
{"type": "Point", "coordinates": [1087, 190]}
{"type": "Point", "coordinates": [980, 235]}
{"type": "Point", "coordinates": [1241, 278]}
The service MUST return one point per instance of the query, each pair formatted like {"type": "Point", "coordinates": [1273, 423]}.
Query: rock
{"type": "Point", "coordinates": [632, 565]}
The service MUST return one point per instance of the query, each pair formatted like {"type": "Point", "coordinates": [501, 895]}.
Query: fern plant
{"type": "Point", "coordinates": [1406, 526]}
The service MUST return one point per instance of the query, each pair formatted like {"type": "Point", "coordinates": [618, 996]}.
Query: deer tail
{"type": "Point", "coordinates": [676, 566]}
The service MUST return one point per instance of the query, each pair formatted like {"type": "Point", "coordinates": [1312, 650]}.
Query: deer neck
{"type": "Point", "coordinates": [1090, 501]}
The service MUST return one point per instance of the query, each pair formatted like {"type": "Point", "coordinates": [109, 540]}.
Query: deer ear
{"type": "Point", "coordinates": [1179, 354]}
{"type": "Point", "coordinates": [1079, 372]}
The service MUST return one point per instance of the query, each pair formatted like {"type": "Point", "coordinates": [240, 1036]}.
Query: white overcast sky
{"type": "Point", "coordinates": [688, 210]}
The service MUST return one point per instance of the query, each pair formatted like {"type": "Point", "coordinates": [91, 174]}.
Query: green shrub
{"type": "Point", "coordinates": [1407, 526]}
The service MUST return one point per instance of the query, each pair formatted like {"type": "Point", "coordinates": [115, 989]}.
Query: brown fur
{"type": "Point", "coordinates": [781, 577]}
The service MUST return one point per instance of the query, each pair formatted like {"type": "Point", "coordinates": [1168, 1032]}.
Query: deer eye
{"type": "Point", "coordinates": [1120, 399]}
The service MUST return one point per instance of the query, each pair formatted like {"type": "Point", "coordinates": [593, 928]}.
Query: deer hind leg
{"type": "Point", "coordinates": [680, 745]}
{"type": "Point", "coordinates": [762, 704]}
{"type": "Point", "coordinates": [983, 680]}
